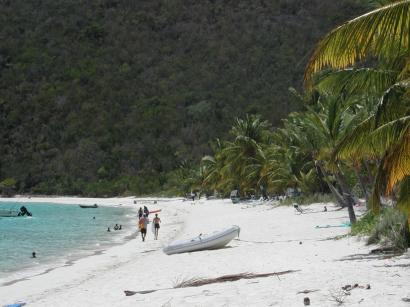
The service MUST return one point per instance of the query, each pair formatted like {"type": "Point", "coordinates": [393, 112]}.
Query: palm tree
{"type": "Point", "coordinates": [384, 135]}
{"type": "Point", "coordinates": [211, 166]}
{"type": "Point", "coordinates": [318, 133]}
{"type": "Point", "coordinates": [249, 135]}
{"type": "Point", "coordinates": [382, 34]}
{"type": "Point", "coordinates": [272, 169]}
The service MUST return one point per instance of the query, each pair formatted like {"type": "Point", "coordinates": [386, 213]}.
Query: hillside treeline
{"type": "Point", "coordinates": [107, 97]}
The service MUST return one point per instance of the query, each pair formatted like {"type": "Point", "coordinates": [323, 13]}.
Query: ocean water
{"type": "Point", "coordinates": [58, 233]}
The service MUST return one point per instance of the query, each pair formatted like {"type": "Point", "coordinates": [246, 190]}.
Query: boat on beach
{"type": "Point", "coordinates": [89, 206]}
{"type": "Point", "coordinates": [202, 242]}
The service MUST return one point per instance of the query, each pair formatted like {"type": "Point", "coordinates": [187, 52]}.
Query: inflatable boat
{"type": "Point", "coordinates": [209, 241]}
{"type": "Point", "coordinates": [8, 213]}
{"type": "Point", "coordinates": [13, 213]}
{"type": "Point", "coordinates": [89, 206]}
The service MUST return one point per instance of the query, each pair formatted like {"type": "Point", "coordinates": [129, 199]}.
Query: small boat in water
{"type": "Point", "coordinates": [89, 206]}
{"type": "Point", "coordinates": [8, 213]}
{"type": "Point", "coordinates": [14, 213]}
{"type": "Point", "coordinates": [210, 241]}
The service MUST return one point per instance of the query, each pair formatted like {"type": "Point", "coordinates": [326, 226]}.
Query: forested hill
{"type": "Point", "coordinates": [107, 96]}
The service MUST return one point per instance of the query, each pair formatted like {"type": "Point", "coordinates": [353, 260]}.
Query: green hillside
{"type": "Point", "coordinates": [107, 97]}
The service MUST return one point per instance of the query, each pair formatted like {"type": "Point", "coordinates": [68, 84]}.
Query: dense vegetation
{"type": "Point", "coordinates": [113, 96]}
{"type": "Point", "coordinates": [353, 135]}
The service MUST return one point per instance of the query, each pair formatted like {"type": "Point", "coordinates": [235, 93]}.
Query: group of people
{"type": "Point", "coordinates": [116, 227]}
{"type": "Point", "coordinates": [142, 212]}
{"type": "Point", "coordinates": [143, 221]}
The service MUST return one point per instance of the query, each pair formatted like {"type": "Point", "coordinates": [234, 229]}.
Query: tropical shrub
{"type": "Point", "coordinates": [309, 199]}
{"type": "Point", "coordinates": [8, 186]}
{"type": "Point", "coordinates": [365, 225]}
{"type": "Point", "coordinates": [391, 230]}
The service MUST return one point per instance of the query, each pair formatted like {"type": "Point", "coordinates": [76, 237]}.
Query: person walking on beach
{"type": "Point", "coordinates": [140, 213]}
{"type": "Point", "coordinates": [142, 224]}
{"type": "Point", "coordinates": [156, 222]}
{"type": "Point", "coordinates": [146, 211]}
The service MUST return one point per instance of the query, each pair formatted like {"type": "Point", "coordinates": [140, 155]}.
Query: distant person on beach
{"type": "Point", "coordinates": [156, 222]}
{"type": "Point", "coordinates": [108, 230]}
{"type": "Point", "coordinates": [140, 213]}
{"type": "Point", "coordinates": [146, 211]}
{"type": "Point", "coordinates": [142, 225]}
{"type": "Point", "coordinates": [325, 209]}
{"type": "Point", "coordinates": [193, 195]}
{"type": "Point", "coordinates": [120, 227]}
{"type": "Point", "coordinates": [116, 227]}
{"type": "Point", "coordinates": [33, 255]}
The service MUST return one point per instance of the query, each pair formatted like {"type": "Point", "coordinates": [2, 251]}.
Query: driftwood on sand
{"type": "Point", "coordinates": [307, 291]}
{"type": "Point", "coordinates": [197, 282]}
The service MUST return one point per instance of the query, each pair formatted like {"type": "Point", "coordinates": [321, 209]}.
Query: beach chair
{"type": "Point", "coordinates": [298, 209]}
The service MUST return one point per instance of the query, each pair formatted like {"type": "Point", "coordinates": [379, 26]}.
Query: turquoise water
{"type": "Point", "coordinates": [57, 233]}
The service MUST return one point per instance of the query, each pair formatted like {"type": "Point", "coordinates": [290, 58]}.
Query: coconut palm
{"type": "Point", "coordinates": [249, 135]}
{"type": "Point", "coordinates": [384, 135]}
{"type": "Point", "coordinates": [271, 169]}
{"type": "Point", "coordinates": [211, 166]}
{"type": "Point", "coordinates": [318, 133]}
{"type": "Point", "coordinates": [382, 34]}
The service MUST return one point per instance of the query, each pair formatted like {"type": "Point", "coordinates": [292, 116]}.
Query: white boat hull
{"type": "Point", "coordinates": [212, 241]}
{"type": "Point", "coordinates": [8, 213]}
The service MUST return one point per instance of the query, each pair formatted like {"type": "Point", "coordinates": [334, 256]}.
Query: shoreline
{"type": "Point", "coordinates": [97, 259]}
{"type": "Point", "coordinates": [11, 277]}
{"type": "Point", "coordinates": [290, 242]}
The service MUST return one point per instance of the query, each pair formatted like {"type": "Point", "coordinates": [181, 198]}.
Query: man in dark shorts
{"type": "Point", "coordinates": [142, 225]}
{"type": "Point", "coordinates": [156, 222]}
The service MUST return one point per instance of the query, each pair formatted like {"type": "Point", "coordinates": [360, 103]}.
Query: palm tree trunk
{"type": "Point", "coordinates": [332, 188]}
{"type": "Point", "coordinates": [347, 194]}
{"type": "Point", "coordinates": [322, 180]}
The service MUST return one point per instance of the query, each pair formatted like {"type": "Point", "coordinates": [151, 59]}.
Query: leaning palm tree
{"type": "Point", "coordinates": [318, 133]}
{"type": "Point", "coordinates": [384, 135]}
{"type": "Point", "coordinates": [382, 35]}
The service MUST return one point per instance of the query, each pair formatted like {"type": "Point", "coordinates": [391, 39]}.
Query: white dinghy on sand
{"type": "Point", "coordinates": [209, 241]}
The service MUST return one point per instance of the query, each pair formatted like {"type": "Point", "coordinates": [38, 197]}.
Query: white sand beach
{"type": "Point", "coordinates": [272, 239]}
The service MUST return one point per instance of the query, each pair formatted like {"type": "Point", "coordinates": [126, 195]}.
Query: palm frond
{"type": "Point", "coordinates": [358, 144]}
{"type": "Point", "coordinates": [383, 32]}
{"type": "Point", "coordinates": [397, 164]}
{"type": "Point", "coordinates": [393, 103]}
{"type": "Point", "coordinates": [350, 81]}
